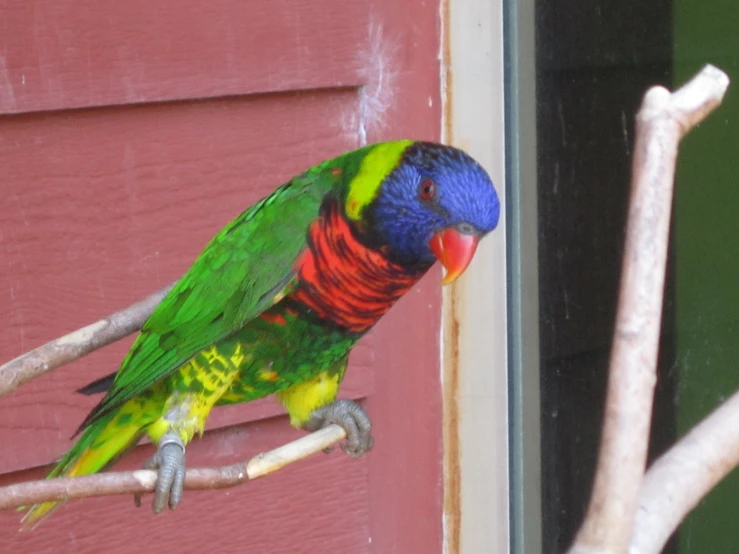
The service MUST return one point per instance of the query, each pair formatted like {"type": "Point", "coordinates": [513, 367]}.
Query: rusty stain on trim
{"type": "Point", "coordinates": [452, 469]}
{"type": "Point", "coordinates": [450, 336]}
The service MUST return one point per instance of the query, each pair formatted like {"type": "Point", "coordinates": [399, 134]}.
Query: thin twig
{"type": "Point", "coordinates": [129, 482]}
{"type": "Point", "coordinates": [79, 343]}
{"type": "Point", "coordinates": [678, 480]}
{"type": "Point", "coordinates": [662, 120]}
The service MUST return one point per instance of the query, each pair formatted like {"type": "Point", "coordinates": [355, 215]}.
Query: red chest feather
{"type": "Point", "coordinates": [345, 282]}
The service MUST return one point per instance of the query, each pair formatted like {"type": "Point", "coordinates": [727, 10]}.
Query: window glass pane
{"type": "Point", "coordinates": [594, 62]}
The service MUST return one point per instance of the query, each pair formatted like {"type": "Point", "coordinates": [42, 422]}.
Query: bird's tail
{"type": "Point", "coordinates": [100, 445]}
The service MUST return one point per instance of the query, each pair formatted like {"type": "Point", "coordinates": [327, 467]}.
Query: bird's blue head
{"type": "Point", "coordinates": [436, 203]}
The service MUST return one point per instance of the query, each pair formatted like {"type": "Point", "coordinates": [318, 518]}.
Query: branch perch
{"type": "Point", "coordinates": [77, 344]}
{"type": "Point", "coordinates": [662, 121]}
{"type": "Point", "coordinates": [129, 482]}
{"type": "Point", "coordinates": [682, 476]}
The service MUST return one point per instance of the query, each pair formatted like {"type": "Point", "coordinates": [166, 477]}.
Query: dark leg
{"type": "Point", "coordinates": [350, 416]}
{"type": "Point", "coordinates": [169, 460]}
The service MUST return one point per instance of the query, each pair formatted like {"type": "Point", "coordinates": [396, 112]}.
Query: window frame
{"type": "Point", "coordinates": [492, 498]}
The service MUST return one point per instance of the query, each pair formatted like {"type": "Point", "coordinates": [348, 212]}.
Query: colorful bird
{"type": "Point", "coordinates": [279, 297]}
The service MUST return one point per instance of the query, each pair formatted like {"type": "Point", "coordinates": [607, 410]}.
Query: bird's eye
{"type": "Point", "coordinates": [427, 190]}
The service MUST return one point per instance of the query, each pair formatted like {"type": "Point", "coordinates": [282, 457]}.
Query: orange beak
{"type": "Point", "coordinates": [454, 250]}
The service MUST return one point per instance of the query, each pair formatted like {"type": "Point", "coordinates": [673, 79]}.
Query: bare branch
{"type": "Point", "coordinates": [678, 480]}
{"type": "Point", "coordinates": [79, 343]}
{"type": "Point", "coordinates": [662, 120]}
{"type": "Point", "coordinates": [129, 482]}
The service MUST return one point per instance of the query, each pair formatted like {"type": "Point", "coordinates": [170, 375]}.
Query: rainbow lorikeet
{"type": "Point", "coordinates": [279, 297]}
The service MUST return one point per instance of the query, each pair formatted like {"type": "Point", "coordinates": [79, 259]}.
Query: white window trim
{"type": "Point", "coordinates": [474, 319]}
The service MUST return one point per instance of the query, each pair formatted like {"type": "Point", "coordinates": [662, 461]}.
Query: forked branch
{"type": "Point", "coordinates": [662, 121]}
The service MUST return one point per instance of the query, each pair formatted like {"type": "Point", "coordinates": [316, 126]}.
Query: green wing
{"type": "Point", "coordinates": [241, 272]}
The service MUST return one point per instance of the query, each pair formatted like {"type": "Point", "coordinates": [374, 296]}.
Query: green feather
{"type": "Point", "coordinates": [238, 275]}
{"type": "Point", "coordinates": [242, 272]}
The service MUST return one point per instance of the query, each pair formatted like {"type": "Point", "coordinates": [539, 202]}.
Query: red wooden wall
{"type": "Point", "coordinates": [130, 132]}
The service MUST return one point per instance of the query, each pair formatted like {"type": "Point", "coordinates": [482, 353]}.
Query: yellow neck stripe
{"type": "Point", "coordinates": [374, 168]}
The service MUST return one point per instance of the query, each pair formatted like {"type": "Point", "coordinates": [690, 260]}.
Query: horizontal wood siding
{"type": "Point", "coordinates": [130, 133]}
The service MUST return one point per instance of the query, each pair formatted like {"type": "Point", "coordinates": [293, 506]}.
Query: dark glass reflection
{"type": "Point", "coordinates": [594, 62]}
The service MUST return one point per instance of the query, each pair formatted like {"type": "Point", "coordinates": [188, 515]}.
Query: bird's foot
{"type": "Point", "coordinates": [350, 416]}
{"type": "Point", "coordinates": [169, 461]}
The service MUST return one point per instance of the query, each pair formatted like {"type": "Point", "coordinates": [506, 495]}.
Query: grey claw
{"type": "Point", "coordinates": [175, 493]}
{"type": "Point", "coordinates": [352, 418]}
{"type": "Point", "coordinates": [169, 460]}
